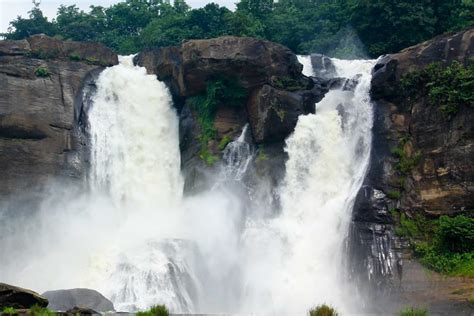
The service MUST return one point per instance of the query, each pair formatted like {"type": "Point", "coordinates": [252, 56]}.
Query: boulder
{"type": "Point", "coordinates": [81, 311]}
{"type": "Point", "coordinates": [273, 113]}
{"type": "Point", "coordinates": [277, 93]}
{"type": "Point", "coordinates": [42, 127]}
{"type": "Point", "coordinates": [253, 62]}
{"type": "Point", "coordinates": [19, 298]}
{"type": "Point", "coordinates": [65, 300]}
{"type": "Point", "coordinates": [323, 67]}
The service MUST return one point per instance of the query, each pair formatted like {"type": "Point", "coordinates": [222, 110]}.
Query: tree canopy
{"type": "Point", "coordinates": [340, 28]}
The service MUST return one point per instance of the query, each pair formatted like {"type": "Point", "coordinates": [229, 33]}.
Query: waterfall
{"type": "Point", "coordinates": [134, 138]}
{"type": "Point", "coordinates": [299, 254]}
{"type": "Point", "coordinates": [136, 160]}
{"type": "Point", "coordinates": [140, 242]}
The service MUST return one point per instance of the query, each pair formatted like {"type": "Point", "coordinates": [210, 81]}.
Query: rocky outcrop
{"type": "Point", "coordinates": [270, 74]}
{"type": "Point", "coordinates": [442, 180]}
{"type": "Point", "coordinates": [65, 300]}
{"type": "Point", "coordinates": [438, 175]}
{"type": "Point", "coordinates": [19, 298]}
{"type": "Point", "coordinates": [42, 82]}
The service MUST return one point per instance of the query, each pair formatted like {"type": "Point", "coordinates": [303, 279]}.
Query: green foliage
{"type": "Point", "coordinates": [351, 28]}
{"type": "Point", "coordinates": [405, 164]}
{"type": "Point", "coordinates": [219, 92]}
{"type": "Point", "coordinates": [411, 311]}
{"type": "Point", "coordinates": [42, 72]}
{"type": "Point", "coordinates": [323, 310]}
{"type": "Point", "coordinates": [261, 155]}
{"type": "Point", "coordinates": [456, 234]}
{"type": "Point", "coordinates": [456, 264]}
{"type": "Point", "coordinates": [75, 57]}
{"type": "Point", "coordinates": [37, 310]}
{"type": "Point", "coordinates": [448, 88]}
{"type": "Point", "coordinates": [156, 310]}
{"type": "Point", "coordinates": [394, 194]}
{"type": "Point", "coordinates": [8, 311]}
{"type": "Point", "coordinates": [288, 84]}
{"type": "Point", "coordinates": [224, 141]}
{"type": "Point", "coordinates": [444, 245]}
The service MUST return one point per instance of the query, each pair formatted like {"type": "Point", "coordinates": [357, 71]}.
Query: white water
{"type": "Point", "coordinates": [140, 242]}
{"type": "Point", "coordinates": [299, 255]}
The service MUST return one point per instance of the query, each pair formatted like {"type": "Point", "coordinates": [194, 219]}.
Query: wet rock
{"type": "Point", "coordinates": [42, 123]}
{"type": "Point", "coordinates": [19, 298]}
{"type": "Point", "coordinates": [273, 113]}
{"type": "Point", "coordinates": [323, 67]}
{"type": "Point", "coordinates": [65, 300]}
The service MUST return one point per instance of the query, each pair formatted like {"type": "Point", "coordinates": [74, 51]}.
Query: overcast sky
{"type": "Point", "coordinates": [10, 9]}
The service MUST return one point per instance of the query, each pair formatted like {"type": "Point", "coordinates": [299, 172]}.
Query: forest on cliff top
{"type": "Point", "coordinates": [339, 28]}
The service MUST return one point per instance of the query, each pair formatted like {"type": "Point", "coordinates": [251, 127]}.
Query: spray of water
{"type": "Point", "coordinates": [136, 239]}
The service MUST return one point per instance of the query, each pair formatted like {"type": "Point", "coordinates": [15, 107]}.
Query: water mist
{"type": "Point", "coordinates": [139, 241]}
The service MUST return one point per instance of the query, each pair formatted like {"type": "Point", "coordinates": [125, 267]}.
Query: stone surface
{"type": "Point", "coordinates": [443, 181]}
{"type": "Point", "coordinates": [277, 92]}
{"type": "Point", "coordinates": [19, 298]}
{"type": "Point", "coordinates": [42, 136]}
{"type": "Point", "coordinates": [251, 61]}
{"type": "Point", "coordinates": [64, 300]}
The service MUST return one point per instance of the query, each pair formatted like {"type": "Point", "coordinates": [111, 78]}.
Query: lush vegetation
{"type": "Point", "coordinates": [156, 310]}
{"type": "Point", "coordinates": [323, 310]}
{"type": "Point", "coordinates": [341, 28]}
{"type": "Point", "coordinates": [220, 91]}
{"type": "Point", "coordinates": [35, 310]}
{"type": "Point", "coordinates": [413, 312]}
{"type": "Point", "coordinates": [445, 244]}
{"type": "Point", "coordinates": [447, 88]}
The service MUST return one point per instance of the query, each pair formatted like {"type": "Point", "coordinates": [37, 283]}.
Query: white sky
{"type": "Point", "coordinates": [10, 9]}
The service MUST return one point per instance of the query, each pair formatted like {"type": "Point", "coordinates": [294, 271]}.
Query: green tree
{"type": "Point", "coordinates": [36, 24]}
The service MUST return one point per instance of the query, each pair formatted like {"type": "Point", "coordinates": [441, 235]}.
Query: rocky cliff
{"type": "Point", "coordinates": [272, 92]}
{"type": "Point", "coordinates": [43, 89]}
{"type": "Point", "coordinates": [421, 162]}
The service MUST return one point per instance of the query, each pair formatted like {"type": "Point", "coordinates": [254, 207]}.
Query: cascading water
{"type": "Point", "coordinates": [146, 243]}
{"type": "Point", "coordinates": [299, 254]}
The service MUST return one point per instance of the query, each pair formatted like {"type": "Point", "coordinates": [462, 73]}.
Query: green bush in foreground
{"type": "Point", "coordinates": [155, 310]}
{"type": "Point", "coordinates": [35, 310]}
{"type": "Point", "coordinates": [411, 311]}
{"type": "Point", "coordinates": [323, 310]}
{"type": "Point", "coordinates": [8, 311]}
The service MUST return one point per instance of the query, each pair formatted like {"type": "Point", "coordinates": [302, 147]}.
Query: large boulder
{"type": "Point", "coordinates": [42, 128]}
{"type": "Point", "coordinates": [269, 73]}
{"type": "Point", "coordinates": [19, 298]}
{"type": "Point", "coordinates": [274, 112]}
{"type": "Point", "coordinates": [251, 61]}
{"type": "Point", "coordinates": [65, 300]}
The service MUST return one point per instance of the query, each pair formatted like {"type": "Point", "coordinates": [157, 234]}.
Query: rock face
{"type": "Point", "coordinates": [19, 298]}
{"type": "Point", "coordinates": [441, 178]}
{"type": "Point", "coordinates": [277, 91]}
{"type": "Point", "coordinates": [41, 109]}
{"type": "Point", "coordinates": [442, 182]}
{"type": "Point", "coordinates": [64, 300]}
